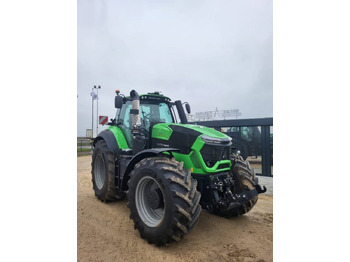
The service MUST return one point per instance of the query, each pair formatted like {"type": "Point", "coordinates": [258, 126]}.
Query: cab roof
{"type": "Point", "coordinates": [154, 96]}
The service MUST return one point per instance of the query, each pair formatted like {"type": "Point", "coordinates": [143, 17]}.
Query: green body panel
{"type": "Point", "coordinates": [193, 160]}
{"type": "Point", "coordinates": [119, 136]}
{"type": "Point", "coordinates": [161, 131]}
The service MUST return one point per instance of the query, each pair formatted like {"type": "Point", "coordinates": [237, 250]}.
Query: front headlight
{"type": "Point", "coordinates": [215, 140]}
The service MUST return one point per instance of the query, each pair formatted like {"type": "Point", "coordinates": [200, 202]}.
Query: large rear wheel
{"type": "Point", "coordinates": [103, 173]}
{"type": "Point", "coordinates": [163, 200]}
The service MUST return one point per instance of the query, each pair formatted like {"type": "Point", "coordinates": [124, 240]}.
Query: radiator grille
{"type": "Point", "coordinates": [211, 154]}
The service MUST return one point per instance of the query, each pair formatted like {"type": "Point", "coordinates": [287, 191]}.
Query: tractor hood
{"type": "Point", "coordinates": [183, 136]}
{"type": "Point", "coordinates": [205, 130]}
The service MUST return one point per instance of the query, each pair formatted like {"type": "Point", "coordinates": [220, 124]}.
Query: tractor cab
{"type": "Point", "coordinates": [153, 109]}
{"type": "Point", "coordinates": [137, 114]}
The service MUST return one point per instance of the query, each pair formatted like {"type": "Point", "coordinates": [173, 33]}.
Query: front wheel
{"type": "Point", "coordinates": [244, 182]}
{"type": "Point", "coordinates": [163, 200]}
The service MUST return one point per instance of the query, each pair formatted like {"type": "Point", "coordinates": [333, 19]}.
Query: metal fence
{"type": "Point", "coordinates": [253, 137]}
{"type": "Point", "coordinates": [84, 145]}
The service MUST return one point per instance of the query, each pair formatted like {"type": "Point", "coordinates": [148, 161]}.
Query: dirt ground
{"type": "Point", "coordinates": [106, 233]}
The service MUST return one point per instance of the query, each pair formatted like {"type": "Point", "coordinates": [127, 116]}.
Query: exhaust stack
{"type": "Point", "coordinates": [135, 111]}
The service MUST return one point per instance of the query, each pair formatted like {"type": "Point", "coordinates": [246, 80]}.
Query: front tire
{"type": "Point", "coordinates": [163, 200]}
{"type": "Point", "coordinates": [245, 180]}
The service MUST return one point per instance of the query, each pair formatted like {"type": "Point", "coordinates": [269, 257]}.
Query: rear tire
{"type": "Point", "coordinates": [163, 200]}
{"type": "Point", "coordinates": [103, 172]}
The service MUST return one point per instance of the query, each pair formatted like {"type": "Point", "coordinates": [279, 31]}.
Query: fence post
{"type": "Point", "coordinates": [265, 151]}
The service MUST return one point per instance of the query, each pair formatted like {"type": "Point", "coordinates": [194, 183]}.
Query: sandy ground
{"type": "Point", "coordinates": [105, 232]}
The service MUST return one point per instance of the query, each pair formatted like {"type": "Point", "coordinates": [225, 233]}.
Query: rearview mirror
{"type": "Point", "coordinates": [188, 108]}
{"type": "Point", "coordinates": [118, 102]}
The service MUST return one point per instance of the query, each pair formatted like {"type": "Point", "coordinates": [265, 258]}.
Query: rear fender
{"type": "Point", "coordinates": [109, 138]}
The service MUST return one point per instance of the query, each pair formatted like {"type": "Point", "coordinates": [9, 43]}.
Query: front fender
{"type": "Point", "coordinates": [138, 157]}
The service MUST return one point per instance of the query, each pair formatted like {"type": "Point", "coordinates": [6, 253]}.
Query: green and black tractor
{"type": "Point", "coordinates": [168, 169]}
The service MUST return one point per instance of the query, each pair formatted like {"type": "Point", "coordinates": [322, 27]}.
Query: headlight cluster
{"type": "Point", "coordinates": [214, 140]}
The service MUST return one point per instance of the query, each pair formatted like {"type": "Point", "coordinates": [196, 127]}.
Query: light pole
{"type": "Point", "coordinates": [92, 115]}
{"type": "Point", "coordinates": [97, 88]}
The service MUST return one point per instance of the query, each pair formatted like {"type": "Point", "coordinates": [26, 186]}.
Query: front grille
{"type": "Point", "coordinates": [212, 153]}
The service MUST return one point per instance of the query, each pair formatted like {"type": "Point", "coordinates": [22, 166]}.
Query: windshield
{"type": "Point", "coordinates": [153, 112]}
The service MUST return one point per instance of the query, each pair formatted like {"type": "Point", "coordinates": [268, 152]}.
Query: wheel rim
{"type": "Point", "coordinates": [152, 216]}
{"type": "Point", "coordinates": [100, 172]}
